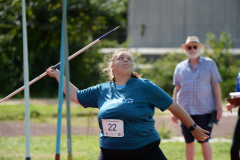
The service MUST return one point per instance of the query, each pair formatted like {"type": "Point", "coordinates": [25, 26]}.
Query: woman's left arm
{"type": "Point", "coordinates": [185, 118]}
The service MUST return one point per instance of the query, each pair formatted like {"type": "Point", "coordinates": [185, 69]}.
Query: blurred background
{"type": "Point", "coordinates": [154, 31]}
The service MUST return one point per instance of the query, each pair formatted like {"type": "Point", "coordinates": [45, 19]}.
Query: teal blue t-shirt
{"type": "Point", "coordinates": [134, 105]}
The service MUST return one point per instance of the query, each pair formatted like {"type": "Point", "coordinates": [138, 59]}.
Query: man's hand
{"type": "Point", "coordinates": [230, 106]}
{"type": "Point", "coordinates": [219, 113]}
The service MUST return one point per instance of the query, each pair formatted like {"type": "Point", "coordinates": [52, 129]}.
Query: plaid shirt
{"type": "Point", "coordinates": [196, 94]}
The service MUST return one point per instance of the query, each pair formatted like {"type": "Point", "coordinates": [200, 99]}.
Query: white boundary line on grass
{"type": "Point", "coordinates": [181, 139]}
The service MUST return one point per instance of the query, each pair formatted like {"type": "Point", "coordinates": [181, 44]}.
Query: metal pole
{"type": "Point", "coordinates": [60, 98]}
{"type": "Point", "coordinates": [67, 73]}
{"type": "Point", "coordinates": [26, 80]}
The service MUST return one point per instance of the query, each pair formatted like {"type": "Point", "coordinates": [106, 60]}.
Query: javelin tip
{"type": "Point", "coordinates": [116, 28]}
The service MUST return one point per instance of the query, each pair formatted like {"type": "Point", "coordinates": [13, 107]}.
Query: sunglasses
{"type": "Point", "coordinates": [190, 47]}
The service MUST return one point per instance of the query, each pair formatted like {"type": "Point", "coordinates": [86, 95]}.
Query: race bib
{"type": "Point", "coordinates": [113, 127]}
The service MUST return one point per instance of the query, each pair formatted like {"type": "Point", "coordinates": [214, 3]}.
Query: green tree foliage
{"type": "Point", "coordinates": [162, 70]}
{"type": "Point", "coordinates": [87, 20]}
{"type": "Point", "coordinates": [218, 50]}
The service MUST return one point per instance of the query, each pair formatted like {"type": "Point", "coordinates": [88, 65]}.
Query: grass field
{"type": "Point", "coordinates": [83, 147]}
{"type": "Point", "coordinates": [86, 148]}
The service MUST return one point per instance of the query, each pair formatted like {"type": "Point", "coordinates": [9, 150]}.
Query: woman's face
{"type": "Point", "coordinates": [123, 64]}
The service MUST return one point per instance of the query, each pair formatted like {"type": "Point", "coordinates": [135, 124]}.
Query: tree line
{"type": "Point", "coordinates": [87, 20]}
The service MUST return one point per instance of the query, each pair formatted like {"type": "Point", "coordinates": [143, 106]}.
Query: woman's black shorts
{"type": "Point", "coordinates": [148, 152]}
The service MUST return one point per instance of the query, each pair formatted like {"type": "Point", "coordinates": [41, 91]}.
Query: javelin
{"type": "Point", "coordinates": [57, 65]}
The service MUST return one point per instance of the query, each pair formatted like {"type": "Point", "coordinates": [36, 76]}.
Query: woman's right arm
{"type": "Point", "coordinates": [72, 89]}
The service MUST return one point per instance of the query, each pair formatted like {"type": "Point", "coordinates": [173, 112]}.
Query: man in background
{"type": "Point", "coordinates": [197, 90]}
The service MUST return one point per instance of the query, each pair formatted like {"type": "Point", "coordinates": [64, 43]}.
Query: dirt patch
{"type": "Point", "coordinates": [16, 128]}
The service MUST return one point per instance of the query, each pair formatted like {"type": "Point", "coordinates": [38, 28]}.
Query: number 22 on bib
{"type": "Point", "coordinates": [113, 127]}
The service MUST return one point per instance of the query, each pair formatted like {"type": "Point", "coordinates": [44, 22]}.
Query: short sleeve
{"type": "Point", "coordinates": [215, 75]}
{"type": "Point", "coordinates": [175, 77]}
{"type": "Point", "coordinates": [89, 97]}
{"type": "Point", "coordinates": [158, 97]}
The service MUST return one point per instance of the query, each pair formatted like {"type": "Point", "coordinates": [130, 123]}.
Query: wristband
{"type": "Point", "coordinates": [192, 128]}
